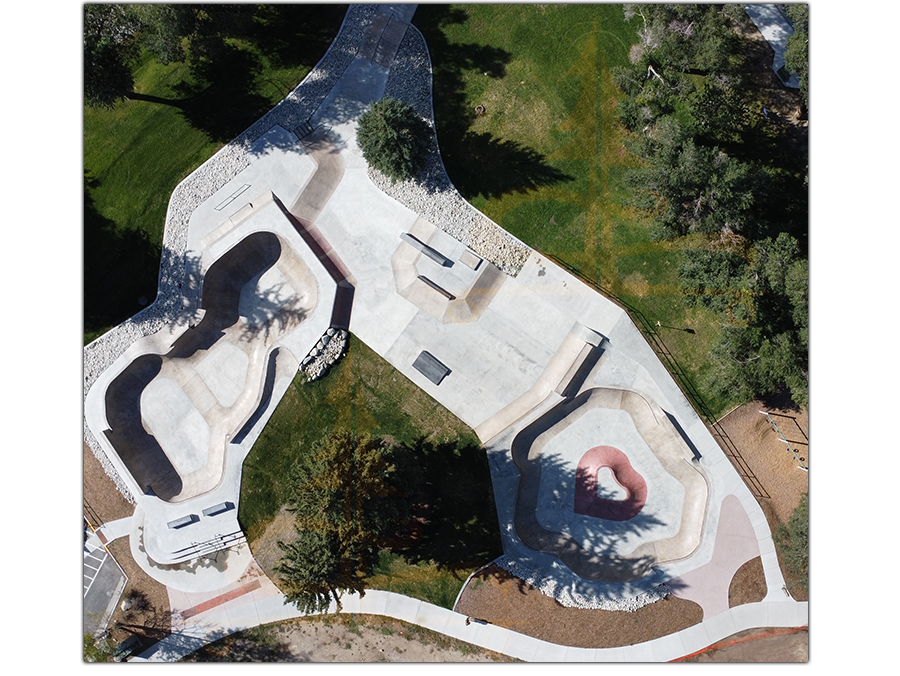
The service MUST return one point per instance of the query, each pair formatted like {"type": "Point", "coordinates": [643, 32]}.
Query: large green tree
{"type": "Point", "coordinates": [109, 50]}
{"type": "Point", "coordinates": [115, 34]}
{"type": "Point", "coordinates": [761, 293]}
{"type": "Point", "coordinates": [346, 509]}
{"type": "Point", "coordinates": [393, 138]}
{"type": "Point", "coordinates": [712, 167]}
{"type": "Point", "coordinates": [796, 55]}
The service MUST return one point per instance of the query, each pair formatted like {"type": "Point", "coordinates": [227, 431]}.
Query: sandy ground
{"type": "Point", "coordinates": [756, 647]}
{"type": "Point", "coordinates": [346, 638]}
{"type": "Point", "coordinates": [498, 597]}
{"type": "Point", "coordinates": [768, 457]}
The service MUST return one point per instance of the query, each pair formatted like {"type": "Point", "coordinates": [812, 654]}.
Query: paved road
{"type": "Point", "coordinates": [103, 584]}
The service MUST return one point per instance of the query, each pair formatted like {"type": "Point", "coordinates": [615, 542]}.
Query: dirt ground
{"type": "Point", "coordinates": [345, 638]}
{"type": "Point", "coordinates": [772, 462]}
{"type": "Point", "coordinates": [493, 595]}
{"type": "Point", "coordinates": [150, 612]}
{"type": "Point", "coordinates": [497, 597]}
{"type": "Point", "coordinates": [768, 457]}
{"type": "Point", "coordinates": [755, 646]}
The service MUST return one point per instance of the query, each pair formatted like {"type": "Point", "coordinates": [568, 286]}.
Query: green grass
{"type": "Point", "coordinates": [426, 582]}
{"type": "Point", "coordinates": [555, 96]}
{"type": "Point", "coordinates": [363, 393]}
{"type": "Point", "coordinates": [138, 151]}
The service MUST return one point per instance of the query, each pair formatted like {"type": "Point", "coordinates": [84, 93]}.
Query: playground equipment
{"type": "Point", "coordinates": [799, 460]}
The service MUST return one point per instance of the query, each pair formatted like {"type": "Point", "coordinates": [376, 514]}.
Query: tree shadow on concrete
{"type": "Point", "coordinates": [121, 267]}
{"type": "Point", "coordinates": [545, 521]}
{"type": "Point", "coordinates": [477, 163]}
{"type": "Point", "coordinates": [453, 520]}
{"type": "Point", "coordinates": [546, 536]}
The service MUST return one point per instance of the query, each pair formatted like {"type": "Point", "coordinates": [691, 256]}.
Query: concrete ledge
{"type": "Point", "coordinates": [430, 367]}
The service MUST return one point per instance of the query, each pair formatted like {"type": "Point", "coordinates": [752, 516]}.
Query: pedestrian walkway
{"type": "Point", "coordinates": [776, 29]}
{"type": "Point", "coordinates": [263, 609]}
{"type": "Point", "coordinates": [528, 343]}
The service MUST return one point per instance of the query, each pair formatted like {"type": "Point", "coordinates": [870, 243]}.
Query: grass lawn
{"type": "Point", "coordinates": [362, 393]}
{"type": "Point", "coordinates": [428, 583]}
{"type": "Point", "coordinates": [458, 529]}
{"type": "Point", "coordinates": [542, 72]}
{"type": "Point", "coordinates": [138, 151]}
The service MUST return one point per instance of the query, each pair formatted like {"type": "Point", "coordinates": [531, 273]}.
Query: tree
{"type": "Point", "coordinates": [712, 278]}
{"type": "Point", "coordinates": [393, 138]}
{"type": "Point", "coordinates": [345, 508]}
{"type": "Point", "coordinates": [109, 49]}
{"type": "Point", "coordinates": [797, 289]}
{"type": "Point", "coordinates": [796, 54]}
{"type": "Point", "coordinates": [96, 650]}
{"type": "Point", "coordinates": [164, 27]}
{"type": "Point", "coordinates": [115, 34]}
{"type": "Point", "coordinates": [794, 540]}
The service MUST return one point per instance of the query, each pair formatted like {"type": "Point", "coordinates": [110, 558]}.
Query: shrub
{"type": "Point", "coordinates": [393, 138]}
{"type": "Point", "coordinates": [794, 540]}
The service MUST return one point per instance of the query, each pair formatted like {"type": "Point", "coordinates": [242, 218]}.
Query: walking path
{"type": "Point", "coordinates": [522, 346]}
{"type": "Point", "coordinates": [776, 29]}
{"type": "Point", "coordinates": [258, 604]}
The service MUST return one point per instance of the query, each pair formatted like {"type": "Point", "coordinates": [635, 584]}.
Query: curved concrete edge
{"type": "Point", "coordinates": [491, 637]}
{"type": "Point", "coordinates": [481, 229]}
{"type": "Point", "coordinates": [198, 574]}
{"type": "Point", "coordinates": [100, 353]}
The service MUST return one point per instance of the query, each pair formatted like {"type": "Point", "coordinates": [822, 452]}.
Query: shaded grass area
{"type": "Point", "coordinates": [453, 528]}
{"type": "Point", "coordinates": [362, 393]}
{"type": "Point", "coordinates": [138, 151]}
{"type": "Point", "coordinates": [429, 583]}
{"type": "Point", "coordinates": [543, 75]}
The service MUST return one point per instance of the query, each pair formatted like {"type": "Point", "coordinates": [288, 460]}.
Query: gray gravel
{"type": "Point", "coordinates": [572, 598]}
{"type": "Point", "coordinates": [432, 194]}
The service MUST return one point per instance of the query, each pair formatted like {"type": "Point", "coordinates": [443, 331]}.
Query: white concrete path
{"type": "Point", "coordinates": [263, 607]}
{"type": "Point", "coordinates": [530, 317]}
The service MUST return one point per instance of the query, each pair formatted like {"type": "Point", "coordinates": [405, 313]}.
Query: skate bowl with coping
{"type": "Point", "coordinates": [171, 413]}
{"type": "Point", "coordinates": [608, 485]}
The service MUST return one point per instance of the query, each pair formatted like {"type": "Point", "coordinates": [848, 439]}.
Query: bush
{"type": "Point", "coordinates": [794, 540]}
{"type": "Point", "coordinates": [393, 139]}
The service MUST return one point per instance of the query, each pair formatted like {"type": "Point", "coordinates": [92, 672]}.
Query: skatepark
{"type": "Point", "coordinates": [608, 485]}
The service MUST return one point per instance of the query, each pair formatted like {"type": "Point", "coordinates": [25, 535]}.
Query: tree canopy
{"type": "Point", "coordinates": [109, 49]}
{"type": "Point", "coordinates": [346, 508]}
{"type": "Point", "coordinates": [796, 55]}
{"type": "Point", "coordinates": [712, 168]}
{"type": "Point", "coordinates": [114, 36]}
{"type": "Point", "coordinates": [794, 540]}
{"type": "Point", "coordinates": [393, 138]}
